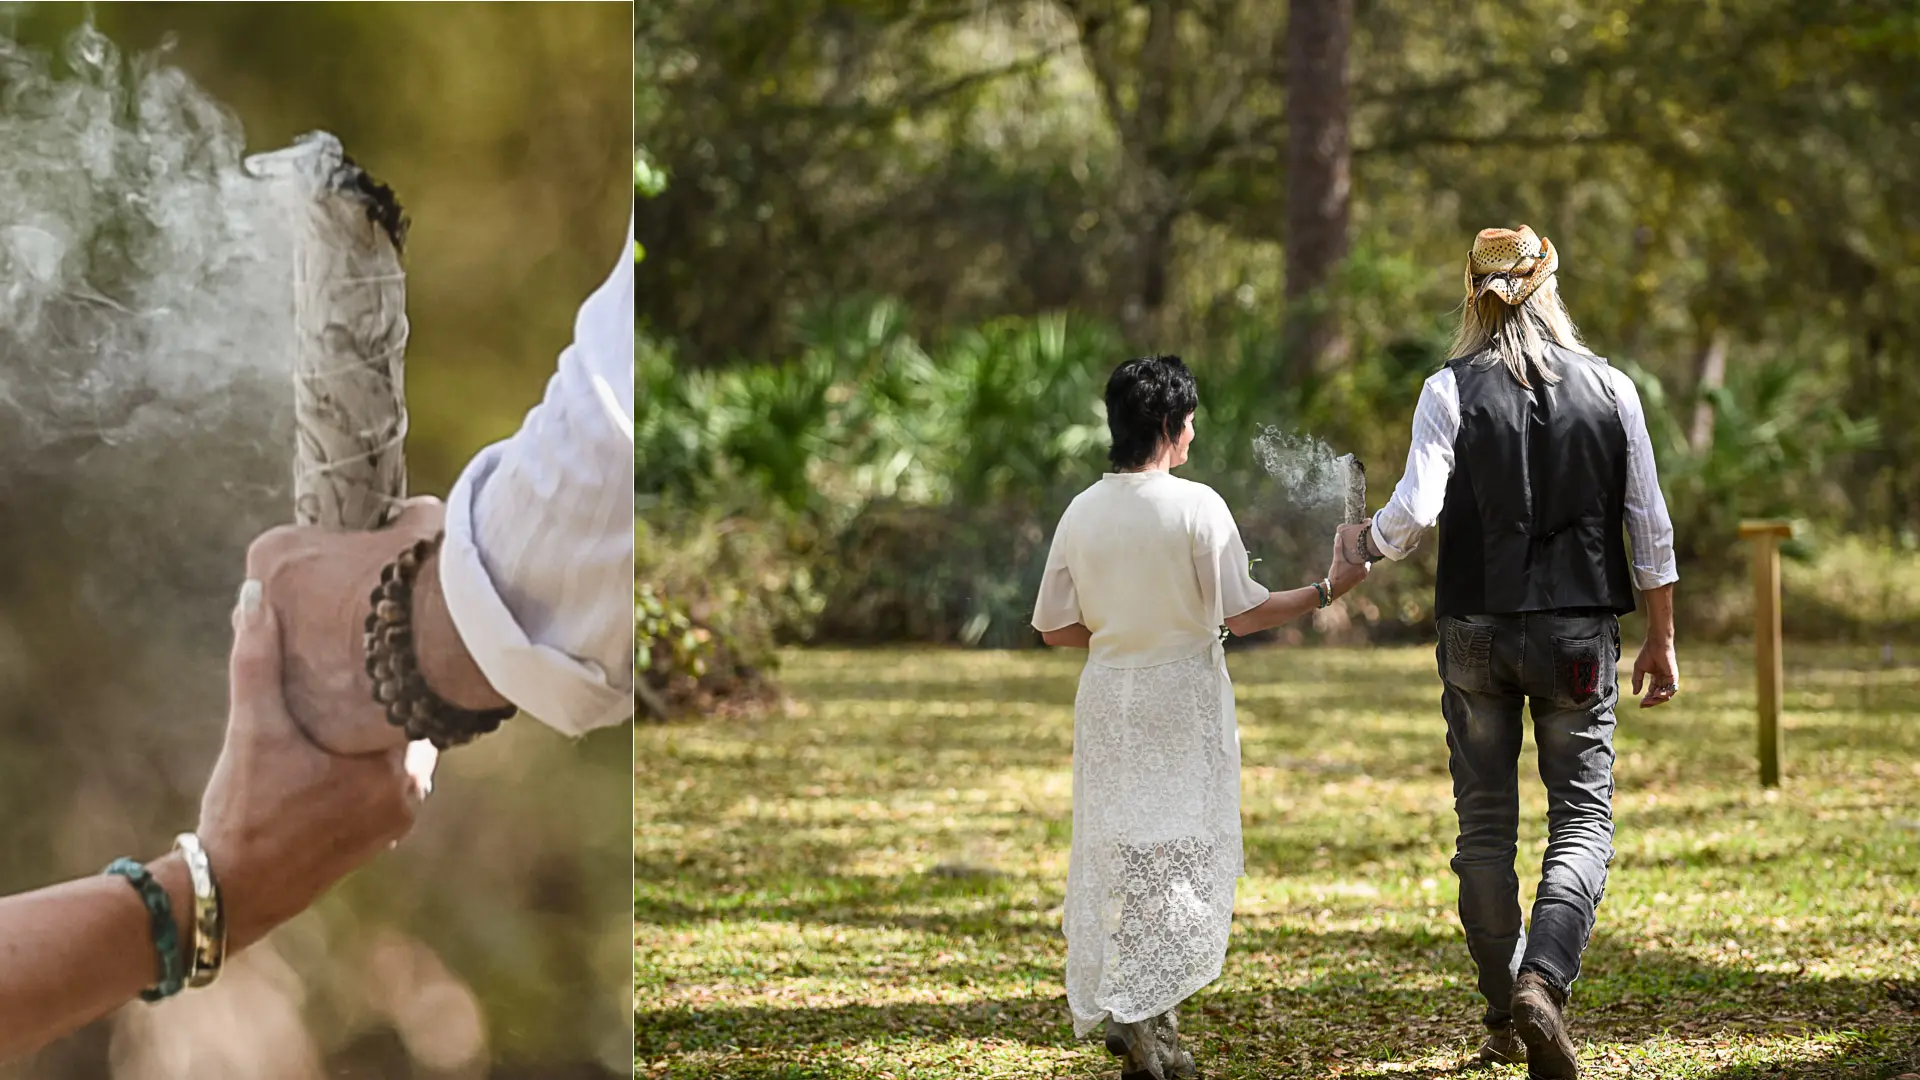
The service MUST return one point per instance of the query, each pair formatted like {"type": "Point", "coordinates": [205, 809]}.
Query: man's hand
{"type": "Point", "coordinates": [1657, 658]}
{"type": "Point", "coordinates": [1658, 661]}
{"type": "Point", "coordinates": [281, 819]}
{"type": "Point", "coordinates": [318, 583]}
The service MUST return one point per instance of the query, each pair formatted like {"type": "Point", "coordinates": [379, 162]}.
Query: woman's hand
{"type": "Point", "coordinates": [282, 819]}
{"type": "Point", "coordinates": [1348, 569]}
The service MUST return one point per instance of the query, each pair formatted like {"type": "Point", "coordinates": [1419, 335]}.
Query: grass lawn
{"type": "Point", "coordinates": [870, 886]}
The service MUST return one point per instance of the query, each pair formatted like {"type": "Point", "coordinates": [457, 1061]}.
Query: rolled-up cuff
{"type": "Point", "coordinates": [567, 694]}
{"type": "Point", "coordinates": [1645, 579]}
{"type": "Point", "coordinates": [1394, 552]}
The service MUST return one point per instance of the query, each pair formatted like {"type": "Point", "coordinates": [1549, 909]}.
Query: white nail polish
{"type": "Point", "coordinates": [250, 595]}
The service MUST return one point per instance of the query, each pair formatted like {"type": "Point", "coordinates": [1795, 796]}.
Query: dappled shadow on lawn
{"type": "Point", "coordinates": [1301, 1002]}
{"type": "Point", "coordinates": [792, 919]}
{"type": "Point", "coordinates": [1037, 1021]}
{"type": "Point", "coordinates": [905, 902]}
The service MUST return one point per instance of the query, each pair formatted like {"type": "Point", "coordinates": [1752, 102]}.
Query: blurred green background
{"type": "Point", "coordinates": [895, 247]}
{"type": "Point", "coordinates": [494, 943]}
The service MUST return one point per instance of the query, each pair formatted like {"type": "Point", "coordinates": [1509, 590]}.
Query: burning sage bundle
{"type": "Point", "coordinates": [350, 335]}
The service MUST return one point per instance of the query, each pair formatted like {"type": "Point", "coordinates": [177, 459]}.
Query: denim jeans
{"type": "Point", "coordinates": [1562, 666]}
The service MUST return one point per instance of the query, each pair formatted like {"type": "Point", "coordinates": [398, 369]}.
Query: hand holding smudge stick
{"type": "Point", "coordinates": [358, 670]}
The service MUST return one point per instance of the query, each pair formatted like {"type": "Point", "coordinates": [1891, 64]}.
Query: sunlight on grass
{"type": "Point", "coordinates": [869, 885]}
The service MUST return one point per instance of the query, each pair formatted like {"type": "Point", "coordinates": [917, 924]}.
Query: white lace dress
{"type": "Point", "coordinates": [1152, 565]}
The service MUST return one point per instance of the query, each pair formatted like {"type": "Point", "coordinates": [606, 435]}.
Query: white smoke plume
{"type": "Point", "coordinates": [145, 326]}
{"type": "Point", "coordinates": [1309, 473]}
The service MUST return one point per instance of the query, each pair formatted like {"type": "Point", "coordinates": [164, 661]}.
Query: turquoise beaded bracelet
{"type": "Point", "coordinates": [166, 934]}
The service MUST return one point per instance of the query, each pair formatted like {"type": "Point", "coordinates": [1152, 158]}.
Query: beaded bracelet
{"type": "Point", "coordinates": [1325, 589]}
{"type": "Point", "coordinates": [398, 685]}
{"type": "Point", "coordinates": [166, 935]}
{"type": "Point", "coordinates": [1365, 540]}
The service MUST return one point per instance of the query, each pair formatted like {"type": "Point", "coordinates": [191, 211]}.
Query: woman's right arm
{"type": "Point", "coordinates": [1279, 608]}
{"type": "Point", "coordinates": [1284, 607]}
{"type": "Point", "coordinates": [70, 953]}
{"type": "Point", "coordinates": [281, 821]}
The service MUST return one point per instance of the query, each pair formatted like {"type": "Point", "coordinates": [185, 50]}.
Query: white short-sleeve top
{"type": "Point", "coordinates": [1152, 564]}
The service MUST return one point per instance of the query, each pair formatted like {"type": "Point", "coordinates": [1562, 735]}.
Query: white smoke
{"type": "Point", "coordinates": [1309, 473]}
{"type": "Point", "coordinates": [145, 323]}
{"type": "Point", "coordinates": [142, 273]}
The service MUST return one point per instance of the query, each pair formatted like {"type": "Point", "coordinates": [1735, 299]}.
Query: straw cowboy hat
{"type": "Point", "coordinates": [1509, 263]}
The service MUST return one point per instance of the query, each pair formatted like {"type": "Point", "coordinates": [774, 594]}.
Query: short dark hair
{"type": "Point", "coordinates": [1148, 399]}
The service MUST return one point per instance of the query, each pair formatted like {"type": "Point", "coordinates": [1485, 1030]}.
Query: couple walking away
{"type": "Point", "coordinates": [1532, 456]}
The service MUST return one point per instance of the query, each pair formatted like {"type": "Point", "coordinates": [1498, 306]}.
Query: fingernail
{"type": "Point", "coordinates": [251, 593]}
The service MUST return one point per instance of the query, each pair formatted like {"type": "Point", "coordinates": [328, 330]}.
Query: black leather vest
{"type": "Point", "coordinates": [1535, 508]}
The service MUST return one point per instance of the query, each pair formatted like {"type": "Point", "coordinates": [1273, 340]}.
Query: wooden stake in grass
{"type": "Point", "coordinates": [350, 335]}
{"type": "Point", "coordinates": [1768, 672]}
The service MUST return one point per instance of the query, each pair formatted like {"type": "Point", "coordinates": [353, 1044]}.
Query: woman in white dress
{"type": "Point", "coordinates": [1144, 570]}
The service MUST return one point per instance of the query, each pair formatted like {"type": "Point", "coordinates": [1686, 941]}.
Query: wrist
{"type": "Point", "coordinates": [445, 663]}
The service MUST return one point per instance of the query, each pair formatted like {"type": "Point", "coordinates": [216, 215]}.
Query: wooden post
{"type": "Point", "coordinates": [1769, 675]}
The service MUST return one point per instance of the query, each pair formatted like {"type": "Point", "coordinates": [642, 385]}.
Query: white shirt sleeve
{"type": "Point", "coordinates": [537, 565]}
{"type": "Point", "coordinates": [1422, 490]}
{"type": "Point", "coordinates": [1058, 605]}
{"type": "Point", "coordinates": [1220, 561]}
{"type": "Point", "coordinates": [1649, 528]}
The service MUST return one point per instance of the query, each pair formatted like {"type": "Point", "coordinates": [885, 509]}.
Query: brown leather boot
{"type": "Point", "coordinates": [1539, 1018]}
{"type": "Point", "coordinates": [1502, 1047]}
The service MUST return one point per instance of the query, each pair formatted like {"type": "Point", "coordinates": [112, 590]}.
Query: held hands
{"type": "Point", "coordinates": [1658, 660]}
{"type": "Point", "coordinates": [318, 583]}
{"type": "Point", "coordinates": [1350, 566]}
{"type": "Point", "coordinates": [282, 819]}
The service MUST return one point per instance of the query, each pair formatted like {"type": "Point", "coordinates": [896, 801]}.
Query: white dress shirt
{"type": "Point", "coordinates": [1422, 490]}
{"type": "Point", "coordinates": [537, 565]}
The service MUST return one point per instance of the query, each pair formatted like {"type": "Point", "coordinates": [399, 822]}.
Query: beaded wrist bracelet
{"type": "Point", "coordinates": [166, 935]}
{"type": "Point", "coordinates": [398, 685]}
{"type": "Point", "coordinates": [1325, 590]}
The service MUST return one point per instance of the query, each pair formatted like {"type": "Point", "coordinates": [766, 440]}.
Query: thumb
{"type": "Point", "coordinates": [1639, 674]}
{"type": "Point", "coordinates": [253, 670]}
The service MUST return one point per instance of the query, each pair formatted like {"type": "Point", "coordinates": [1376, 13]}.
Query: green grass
{"type": "Point", "coordinates": [870, 885]}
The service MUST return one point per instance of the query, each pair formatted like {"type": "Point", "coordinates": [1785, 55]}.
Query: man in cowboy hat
{"type": "Point", "coordinates": [1532, 455]}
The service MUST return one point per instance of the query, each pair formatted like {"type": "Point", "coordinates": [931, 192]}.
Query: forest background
{"type": "Point", "coordinates": [893, 247]}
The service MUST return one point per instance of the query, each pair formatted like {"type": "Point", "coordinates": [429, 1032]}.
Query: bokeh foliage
{"type": "Point", "coordinates": [505, 130]}
{"type": "Point", "coordinates": [879, 214]}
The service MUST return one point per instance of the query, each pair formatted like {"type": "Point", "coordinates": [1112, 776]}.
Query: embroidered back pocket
{"type": "Point", "coordinates": [1467, 656]}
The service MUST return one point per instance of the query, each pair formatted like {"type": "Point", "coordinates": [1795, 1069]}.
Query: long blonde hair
{"type": "Point", "coordinates": [1517, 336]}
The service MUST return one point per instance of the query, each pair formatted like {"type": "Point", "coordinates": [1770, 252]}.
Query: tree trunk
{"type": "Point", "coordinates": [1319, 157]}
{"type": "Point", "coordinates": [1153, 116]}
{"type": "Point", "coordinates": [1711, 376]}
